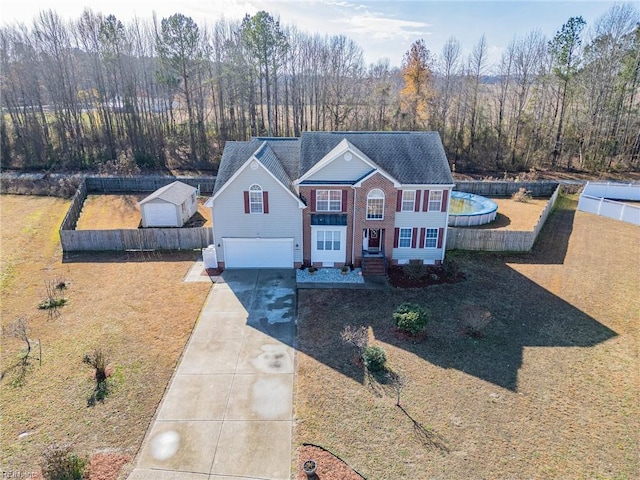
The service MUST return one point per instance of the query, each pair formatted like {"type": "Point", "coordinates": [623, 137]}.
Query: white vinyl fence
{"type": "Point", "coordinates": [608, 200]}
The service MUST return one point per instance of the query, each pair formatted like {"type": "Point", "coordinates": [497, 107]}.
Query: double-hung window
{"type": "Point", "coordinates": [404, 240]}
{"type": "Point", "coordinates": [329, 200]}
{"type": "Point", "coordinates": [435, 200]}
{"type": "Point", "coordinates": [431, 238]}
{"type": "Point", "coordinates": [408, 200]}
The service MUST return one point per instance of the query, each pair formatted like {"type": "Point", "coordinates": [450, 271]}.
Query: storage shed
{"type": "Point", "coordinates": [169, 206]}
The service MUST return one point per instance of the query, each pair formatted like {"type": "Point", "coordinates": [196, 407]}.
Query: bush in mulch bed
{"type": "Point", "coordinates": [406, 277]}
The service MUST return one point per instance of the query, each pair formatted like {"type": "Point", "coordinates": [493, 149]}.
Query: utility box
{"type": "Point", "coordinates": [209, 257]}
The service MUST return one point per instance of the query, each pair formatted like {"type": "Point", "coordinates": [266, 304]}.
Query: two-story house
{"type": "Point", "coordinates": [332, 198]}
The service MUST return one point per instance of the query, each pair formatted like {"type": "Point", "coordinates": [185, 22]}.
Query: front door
{"type": "Point", "coordinates": [374, 239]}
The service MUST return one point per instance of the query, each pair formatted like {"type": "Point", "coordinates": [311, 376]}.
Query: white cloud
{"type": "Point", "coordinates": [384, 28]}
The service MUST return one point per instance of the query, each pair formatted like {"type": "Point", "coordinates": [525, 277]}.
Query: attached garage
{"type": "Point", "coordinates": [258, 252]}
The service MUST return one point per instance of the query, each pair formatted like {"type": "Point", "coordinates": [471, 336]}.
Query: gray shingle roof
{"type": "Point", "coordinates": [410, 157]}
{"type": "Point", "coordinates": [176, 193]}
{"type": "Point", "coordinates": [279, 155]}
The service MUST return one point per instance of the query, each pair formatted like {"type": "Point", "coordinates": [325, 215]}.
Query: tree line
{"type": "Point", "coordinates": [98, 93]}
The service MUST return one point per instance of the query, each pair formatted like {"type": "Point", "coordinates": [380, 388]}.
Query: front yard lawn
{"type": "Point", "coordinates": [550, 391]}
{"type": "Point", "coordinates": [135, 307]}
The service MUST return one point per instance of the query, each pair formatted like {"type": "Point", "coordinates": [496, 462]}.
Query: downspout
{"type": "Point", "coordinates": [353, 227]}
{"type": "Point", "coordinates": [446, 226]}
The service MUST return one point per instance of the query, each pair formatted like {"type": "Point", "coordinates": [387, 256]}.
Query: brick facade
{"type": "Point", "coordinates": [305, 193]}
{"type": "Point", "coordinates": [386, 225]}
{"type": "Point", "coordinates": [355, 225]}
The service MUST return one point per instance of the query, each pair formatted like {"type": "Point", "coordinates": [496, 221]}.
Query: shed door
{"type": "Point", "coordinates": [258, 252]}
{"type": "Point", "coordinates": [160, 215]}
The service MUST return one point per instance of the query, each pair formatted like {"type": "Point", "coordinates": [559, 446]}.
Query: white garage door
{"type": "Point", "coordinates": [258, 252]}
{"type": "Point", "coordinates": [160, 215]}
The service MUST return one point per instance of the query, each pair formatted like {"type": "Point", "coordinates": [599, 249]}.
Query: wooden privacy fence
{"type": "Point", "coordinates": [540, 188]}
{"type": "Point", "coordinates": [131, 239]}
{"type": "Point", "coordinates": [499, 240]}
{"type": "Point", "coordinates": [596, 198]}
{"type": "Point", "coordinates": [145, 183]}
{"type": "Point", "coordinates": [143, 239]}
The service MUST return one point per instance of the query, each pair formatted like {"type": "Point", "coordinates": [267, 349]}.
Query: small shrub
{"type": "Point", "coordinates": [60, 463]}
{"type": "Point", "coordinates": [50, 303]}
{"type": "Point", "coordinates": [522, 195]}
{"type": "Point", "coordinates": [411, 318]}
{"type": "Point", "coordinates": [358, 337]}
{"type": "Point", "coordinates": [374, 358]}
{"type": "Point", "coordinates": [312, 270]}
{"type": "Point", "coordinates": [415, 270]}
{"type": "Point", "coordinates": [451, 269]}
{"type": "Point", "coordinates": [474, 320]}
{"type": "Point", "coordinates": [98, 360]}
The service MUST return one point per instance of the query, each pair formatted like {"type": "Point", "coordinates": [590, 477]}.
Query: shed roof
{"type": "Point", "coordinates": [176, 193]}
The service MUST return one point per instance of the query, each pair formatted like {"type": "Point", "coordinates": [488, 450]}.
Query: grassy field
{"type": "Point", "coordinates": [136, 307]}
{"type": "Point", "coordinates": [551, 391]}
{"type": "Point", "coordinates": [106, 212]}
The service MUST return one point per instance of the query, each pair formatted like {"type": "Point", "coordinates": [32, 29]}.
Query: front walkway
{"type": "Point", "coordinates": [227, 412]}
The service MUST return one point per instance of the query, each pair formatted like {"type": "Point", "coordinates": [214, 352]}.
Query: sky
{"type": "Point", "coordinates": [384, 29]}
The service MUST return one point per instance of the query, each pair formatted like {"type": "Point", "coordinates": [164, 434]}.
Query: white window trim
{"type": "Point", "coordinates": [251, 202]}
{"type": "Point", "coordinates": [413, 201]}
{"type": "Point", "coordinates": [431, 238]}
{"type": "Point", "coordinates": [329, 200]}
{"type": "Point", "coordinates": [400, 237]}
{"type": "Point", "coordinates": [432, 192]}
{"type": "Point", "coordinates": [369, 197]}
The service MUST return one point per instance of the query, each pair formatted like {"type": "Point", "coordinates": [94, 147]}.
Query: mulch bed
{"type": "Point", "coordinates": [433, 275]}
{"type": "Point", "coordinates": [102, 466]}
{"type": "Point", "coordinates": [329, 467]}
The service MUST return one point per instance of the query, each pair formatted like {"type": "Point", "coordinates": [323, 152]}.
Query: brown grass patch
{"type": "Point", "coordinates": [134, 306]}
{"type": "Point", "coordinates": [550, 391]}
{"type": "Point", "coordinates": [112, 212]}
{"type": "Point", "coordinates": [518, 216]}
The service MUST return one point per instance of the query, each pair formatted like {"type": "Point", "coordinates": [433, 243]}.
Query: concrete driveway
{"type": "Point", "coordinates": [227, 412]}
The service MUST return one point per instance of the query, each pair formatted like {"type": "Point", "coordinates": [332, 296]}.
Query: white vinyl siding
{"type": "Point", "coordinates": [284, 219]}
{"type": "Point", "coordinates": [404, 241]}
{"type": "Point", "coordinates": [341, 170]}
{"type": "Point", "coordinates": [408, 200]}
{"type": "Point", "coordinates": [328, 200]}
{"type": "Point", "coordinates": [431, 238]}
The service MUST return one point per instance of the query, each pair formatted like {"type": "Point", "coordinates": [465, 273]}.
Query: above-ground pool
{"type": "Point", "coordinates": [467, 209]}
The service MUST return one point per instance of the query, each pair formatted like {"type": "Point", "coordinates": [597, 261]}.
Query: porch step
{"type": "Point", "coordinates": [374, 266]}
